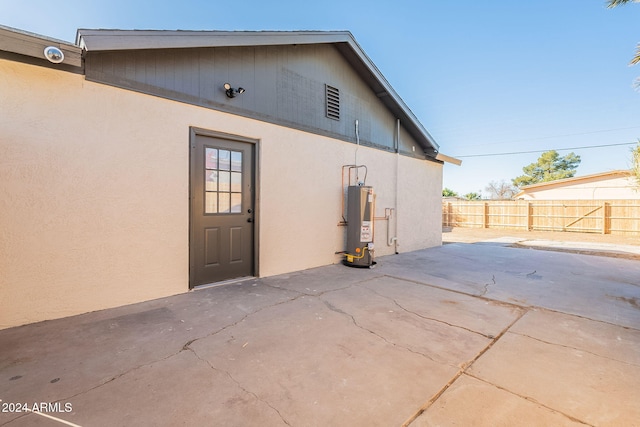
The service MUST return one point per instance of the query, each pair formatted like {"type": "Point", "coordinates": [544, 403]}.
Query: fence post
{"type": "Point", "coordinates": [529, 217]}
{"type": "Point", "coordinates": [485, 215]}
{"type": "Point", "coordinates": [605, 217]}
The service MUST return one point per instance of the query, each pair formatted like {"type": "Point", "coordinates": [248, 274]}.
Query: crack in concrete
{"type": "Point", "coordinates": [430, 318]}
{"type": "Point", "coordinates": [486, 285]}
{"type": "Point", "coordinates": [575, 348]}
{"type": "Point", "coordinates": [469, 294]}
{"type": "Point", "coordinates": [529, 399]}
{"type": "Point", "coordinates": [282, 289]}
{"type": "Point", "coordinates": [19, 417]}
{"type": "Point", "coordinates": [462, 371]}
{"type": "Point", "coordinates": [244, 389]}
{"type": "Point", "coordinates": [120, 375]}
{"type": "Point", "coordinates": [497, 302]}
{"type": "Point", "coordinates": [355, 322]}
{"type": "Point", "coordinates": [185, 347]}
{"type": "Point", "coordinates": [321, 293]}
{"type": "Point", "coordinates": [579, 316]}
{"type": "Point", "coordinates": [112, 379]}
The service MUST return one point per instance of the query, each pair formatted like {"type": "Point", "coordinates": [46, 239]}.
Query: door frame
{"type": "Point", "coordinates": [193, 133]}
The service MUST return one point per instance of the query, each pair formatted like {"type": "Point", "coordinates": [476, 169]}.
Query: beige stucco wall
{"type": "Point", "coordinates": [94, 198]}
{"type": "Point", "coordinates": [615, 188]}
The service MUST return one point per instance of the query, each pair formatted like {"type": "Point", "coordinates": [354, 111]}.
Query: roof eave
{"type": "Point", "coordinates": [448, 159]}
{"type": "Point", "coordinates": [386, 93]}
{"type": "Point", "coordinates": [32, 45]}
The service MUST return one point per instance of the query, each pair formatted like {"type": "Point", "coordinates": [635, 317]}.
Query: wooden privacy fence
{"type": "Point", "coordinates": [583, 216]}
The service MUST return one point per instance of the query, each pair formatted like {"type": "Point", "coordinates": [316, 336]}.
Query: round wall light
{"type": "Point", "coordinates": [53, 54]}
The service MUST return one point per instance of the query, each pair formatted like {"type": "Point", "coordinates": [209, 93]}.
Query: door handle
{"type": "Point", "coordinates": [249, 219]}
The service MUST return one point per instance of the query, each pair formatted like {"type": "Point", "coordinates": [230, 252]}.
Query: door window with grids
{"type": "Point", "coordinates": [223, 181]}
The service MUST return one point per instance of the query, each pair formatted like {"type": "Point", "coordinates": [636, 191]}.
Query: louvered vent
{"type": "Point", "coordinates": [333, 102]}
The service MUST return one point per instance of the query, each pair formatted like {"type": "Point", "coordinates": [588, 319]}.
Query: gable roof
{"type": "Point", "coordinates": [601, 176]}
{"type": "Point", "coordinates": [109, 40]}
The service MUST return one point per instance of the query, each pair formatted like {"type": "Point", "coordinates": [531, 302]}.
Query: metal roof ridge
{"type": "Point", "coordinates": [231, 33]}
{"type": "Point", "coordinates": [38, 36]}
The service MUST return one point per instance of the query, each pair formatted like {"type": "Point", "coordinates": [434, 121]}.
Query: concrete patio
{"type": "Point", "coordinates": [479, 334]}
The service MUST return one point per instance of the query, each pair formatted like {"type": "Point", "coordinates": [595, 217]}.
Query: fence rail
{"type": "Point", "coordinates": [583, 216]}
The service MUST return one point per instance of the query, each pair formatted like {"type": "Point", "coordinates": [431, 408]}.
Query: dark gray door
{"type": "Point", "coordinates": [222, 210]}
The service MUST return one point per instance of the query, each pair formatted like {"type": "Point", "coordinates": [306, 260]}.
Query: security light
{"type": "Point", "coordinates": [231, 92]}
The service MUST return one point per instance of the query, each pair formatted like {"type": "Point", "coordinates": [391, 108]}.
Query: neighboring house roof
{"type": "Point", "coordinates": [575, 181]}
{"type": "Point", "coordinates": [110, 40]}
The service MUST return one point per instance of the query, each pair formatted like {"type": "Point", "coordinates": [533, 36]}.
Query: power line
{"type": "Point", "coordinates": [435, 131]}
{"type": "Point", "coordinates": [554, 149]}
{"type": "Point", "coordinates": [556, 136]}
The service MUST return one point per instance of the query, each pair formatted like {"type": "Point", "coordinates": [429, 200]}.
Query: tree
{"type": "Point", "coordinates": [636, 58]}
{"type": "Point", "coordinates": [449, 193]}
{"type": "Point", "coordinates": [635, 162]}
{"type": "Point", "coordinates": [472, 196]}
{"type": "Point", "coordinates": [614, 3]}
{"type": "Point", "coordinates": [549, 167]}
{"type": "Point", "coordinates": [501, 190]}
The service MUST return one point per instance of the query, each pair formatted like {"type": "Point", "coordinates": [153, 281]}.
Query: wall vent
{"type": "Point", "coordinates": [332, 96]}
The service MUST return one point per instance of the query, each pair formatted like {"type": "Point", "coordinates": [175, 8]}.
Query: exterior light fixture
{"type": "Point", "coordinates": [231, 92]}
{"type": "Point", "coordinates": [53, 54]}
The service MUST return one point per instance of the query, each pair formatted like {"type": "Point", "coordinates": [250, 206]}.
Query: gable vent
{"type": "Point", "coordinates": [332, 95]}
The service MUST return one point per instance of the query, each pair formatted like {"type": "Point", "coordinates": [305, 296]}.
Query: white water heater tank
{"type": "Point", "coordinates": [360, 212]}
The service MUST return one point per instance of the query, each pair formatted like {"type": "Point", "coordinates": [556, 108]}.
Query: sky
{"type": "Point", "coordinates": [485, 78]}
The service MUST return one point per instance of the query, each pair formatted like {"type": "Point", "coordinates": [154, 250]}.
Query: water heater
{"type": "Point", "coordinates": [360, 211]}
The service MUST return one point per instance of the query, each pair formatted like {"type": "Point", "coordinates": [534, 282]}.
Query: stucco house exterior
{"type": "Point", "coordinates": [612, 185]}
{"type": "Point", "coordinates": [137, 161]}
